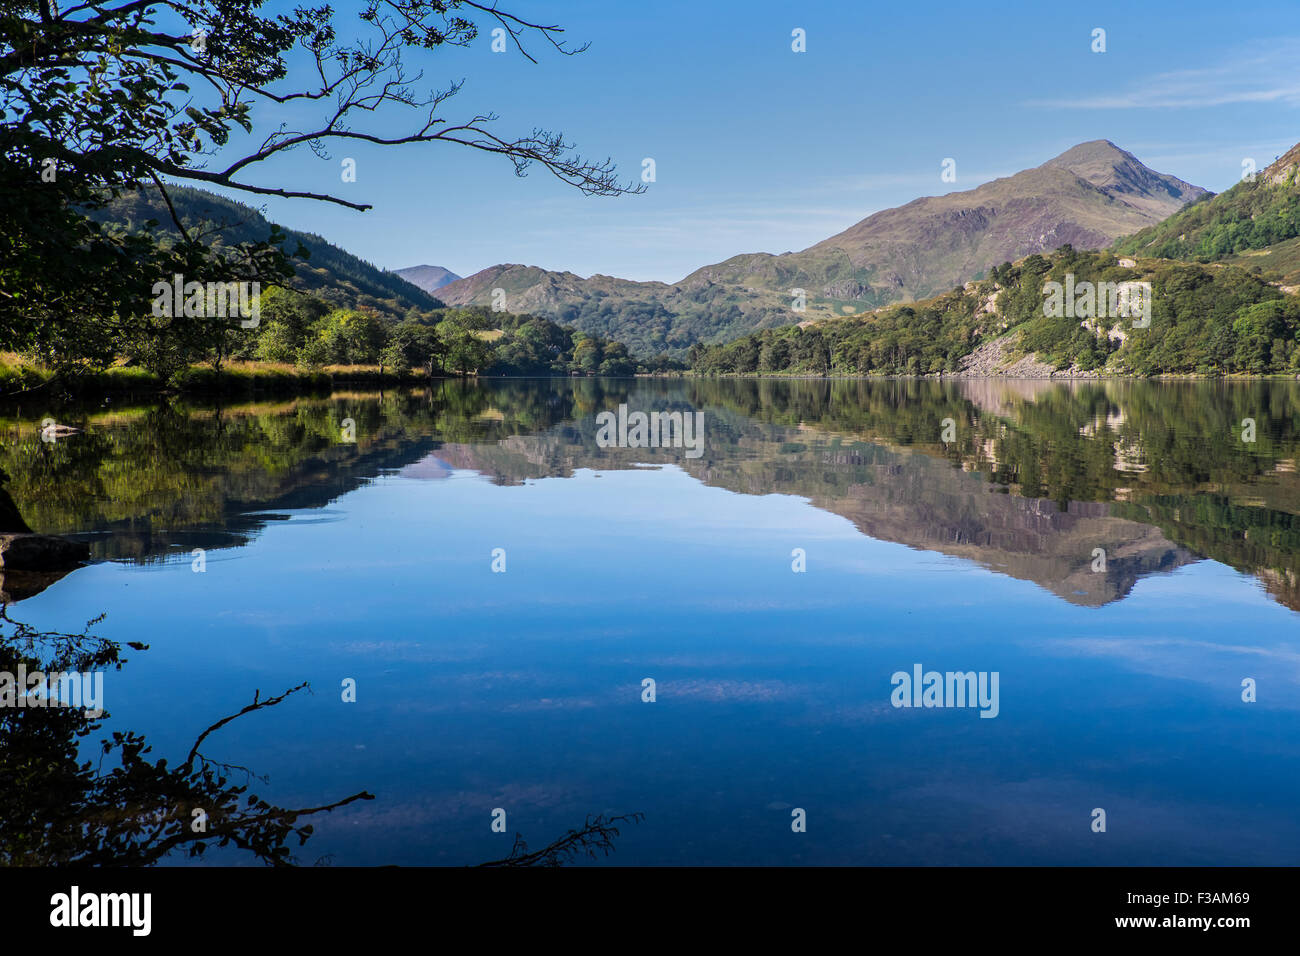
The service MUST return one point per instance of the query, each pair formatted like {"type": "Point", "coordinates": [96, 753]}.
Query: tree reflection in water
{"type": "Point", "coordinates": [127, 808]}
{"type": "Point", "coordinates": [130, 809]}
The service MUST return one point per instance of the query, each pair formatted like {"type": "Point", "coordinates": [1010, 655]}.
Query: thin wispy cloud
{"type": "Point", "coordinates": [1264, 73]}
{"type": "Point", "coordinates": [926, 182]}
{"type": "Point", "coordinates": [1224, 155]}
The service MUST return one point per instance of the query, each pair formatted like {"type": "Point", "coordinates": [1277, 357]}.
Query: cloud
{"type": "Point", "coordinates": [1261, 73]}
{"type": "Point", "coordinates": [1178, 156]}
{"type": "Point", "coordinates": [925, 183]}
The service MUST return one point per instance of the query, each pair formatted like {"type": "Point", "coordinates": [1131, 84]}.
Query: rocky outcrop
{"type": "Point", "coordinates": [29, 563]}
{"type": "Point", "coordinates": [40, 552]}
{"type": "Point", "coordinates": [11, 519]}
{"type": "Point", "coordinates": [998, 358]}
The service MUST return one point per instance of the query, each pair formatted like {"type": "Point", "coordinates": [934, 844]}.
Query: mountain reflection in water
{"type": "Point", "coordinates": [1114, 551]}
{"type": "Point", "coordinates": [1040, 474]}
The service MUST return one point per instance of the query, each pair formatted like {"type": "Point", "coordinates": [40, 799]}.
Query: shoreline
{"type": "Point", "coordinates": [24, 383]}
{"type": "Point", "coordinates": [20, 384]}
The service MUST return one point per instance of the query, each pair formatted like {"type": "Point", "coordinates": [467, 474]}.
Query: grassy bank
{"type": "Point", "coordinates": [19, 379]}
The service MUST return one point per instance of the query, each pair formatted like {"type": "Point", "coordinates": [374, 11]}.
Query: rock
{"type": "Point", "coordinates": [40, 552]}
{"type": "Point", "coordinates": [11, 520]}
{"type": "Point", "coordinates": [18, 586]}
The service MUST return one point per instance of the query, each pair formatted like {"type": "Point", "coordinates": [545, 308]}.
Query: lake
{"type": "Point", "coordinates": [504, 599]}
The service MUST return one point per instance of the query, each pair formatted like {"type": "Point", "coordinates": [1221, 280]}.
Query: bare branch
{"type": "Point", "coordinates": [257, 704]}
{"type": "Point", "coordinates": [597, 834]}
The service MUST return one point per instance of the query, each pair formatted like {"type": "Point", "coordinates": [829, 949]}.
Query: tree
{"type": "Point", "coordinates": [351, 337]}
{"type": "Point", "coordinates": [597, 833]}
{"type": "Point", "coordinates": [586, 353]}
{"type": "Point", "coordinates": [286, 317]}
{"type": "Point", "coordinates": [616, 361]}
{"type": "Point", "coordinates": [413, 344]}
{"type": "Point", "coordinates": [152, 345]}
{"type": "Point", "coordinates": [100, 99]}
{"type": "Point", "coordinates": [465, 351]}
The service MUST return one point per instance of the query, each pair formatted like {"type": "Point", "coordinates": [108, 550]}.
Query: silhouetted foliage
{"type": "Point", "coordinates": [126, 808]}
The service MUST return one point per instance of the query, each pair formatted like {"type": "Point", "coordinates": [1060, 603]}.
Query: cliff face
{"type": "Point", "coordinates": [1282, 171]}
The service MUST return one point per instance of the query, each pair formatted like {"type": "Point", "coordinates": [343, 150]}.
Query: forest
{"type": "Point", "coordinates": [1207, 320]}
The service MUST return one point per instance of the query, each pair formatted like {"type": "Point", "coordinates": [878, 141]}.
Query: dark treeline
{"type": "Point", "coordinates": [305, 330]}
{"type": "Point", "coordinates": [299, 334]}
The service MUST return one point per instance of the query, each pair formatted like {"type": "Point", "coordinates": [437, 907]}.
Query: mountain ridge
{"type": "Point", "coordinates": [1087, 197]}
{"type": "Point", "coordinates": [429, 278]}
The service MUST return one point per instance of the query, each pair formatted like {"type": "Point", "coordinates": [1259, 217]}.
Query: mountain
{"type": "Point", "coordinates": [650, 318]}
{"type": "Point", "coordinates": [330, 272]}
{"type": "Point", "coordinates": [1087, 197]}
{"type": "Point", "coordinates": [428, 278]}
{"type": "Point", "coordinates": [1255, 224]}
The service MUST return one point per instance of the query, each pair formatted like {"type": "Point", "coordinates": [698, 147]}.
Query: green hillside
{"type": "Point", "coordinates": [1279, 262]}
{"type": "Point", "coordinates": [328, 272]}
{"type": "Point", "coordinates": [1204, 319]}
{"type": "Point", "coordinates": [1251, 217]}
{"type": "Point", "coordinates": [651, 318]}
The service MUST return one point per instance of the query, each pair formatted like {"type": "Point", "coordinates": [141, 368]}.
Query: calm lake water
{"type": "Point", "coordinates": [1116, 554]}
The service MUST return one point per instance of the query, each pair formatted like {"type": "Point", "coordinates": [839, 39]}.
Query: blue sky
{"type": "Point", "coordinates": [758, 148]}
